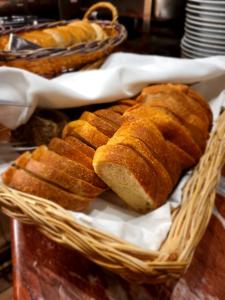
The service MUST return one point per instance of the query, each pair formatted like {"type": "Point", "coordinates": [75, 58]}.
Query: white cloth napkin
{"type": "Point", "coordinates": [122, 75]}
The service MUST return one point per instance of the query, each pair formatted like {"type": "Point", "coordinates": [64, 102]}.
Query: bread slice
{"type": "Point", "coordinates": [186, 161]}
{"type": "Point", "coordinates": [128, 102]}
{"type": "Point", "coordinates": [65, 149]}
{"type": "Point", "coordinates": [82, 147]}
{"type": "Point", "coordinates": [149, 134]}
{"type": "Point", "coordinates": [192, 122]}
{"type": "Point", "coordinates": [119, 108]}
{"type": "Point", "coordinates": [70, 167]}
{"type": "Point", "coordinates": [57, 177]}
{"type": "Point", "coordinates": [27, 183]}
{"type": "Point", "coordinates": [113, 117]}
{"type": "Point", "coordinates": [102, 125]}
{"type": "Point", "coordinates": [205, 105]}
{"type": "Point", "coordinates": [183, 107]}
{"type": "Point", "coordinates": [86, 133]}
{"type": "Point", "coordinates": [169, 126]}
{"type": "Point", "coordinates": [164, 182]}
{"type": "Point", "coordinates": [128, 175]}
{"type": "Point", "coordinates": [182, 89]}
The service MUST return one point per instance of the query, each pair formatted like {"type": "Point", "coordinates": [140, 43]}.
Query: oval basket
{"type": "Point", "coordinates": [189, 222]}
{"type": "Point", "coordinates": [50, 62]}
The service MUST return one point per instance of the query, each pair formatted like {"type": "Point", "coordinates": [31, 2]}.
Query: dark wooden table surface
{"type": "Point", "coordinates": [43, 270]}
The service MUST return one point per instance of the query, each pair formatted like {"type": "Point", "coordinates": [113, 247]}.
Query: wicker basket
{"type": "Point", "coordinates": [132, 263]}
{"type": "Point", "coordinates": [50, 62]}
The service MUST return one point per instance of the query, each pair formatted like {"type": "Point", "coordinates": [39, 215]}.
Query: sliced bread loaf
{"type": "Point", "coordinates": [65, 149]}
{"type": "Point", "coordinates": [57, 177]}
{"type": "Point", "coordinates": [70, 167]}
{"type": "Point", "coordinates": [119, 108]}
{"type": "Point", "coordinates": [169, 126]}
{"type": "Point", "coordinates": [164, 182]}
{"type": "Point", "coordinates": [128, 175]}
{"type": "Point", "coordinates": [86, 132]}
{"type": "Point", "coordinates": [102, 125]}
{"type": "Point", "coordinates": [182, 89]}
{"type": "Point", "coordinates": [149, 134]}
{"type": "Point", "coordinates": [25, 182]}
{"type": "Point", "coordinates": [82, 147]}
{"type": "Point", "coordinates": [113, 117]}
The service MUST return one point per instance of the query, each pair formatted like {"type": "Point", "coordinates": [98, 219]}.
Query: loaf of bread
{"type": "Point", "coordinates": [63, 169]}
{"type": "Point", "coordinates": [64, 36]}
{"type": "Point", "coordinates": [162, 135]}
{"type": "Point", "coordinates": [25, 182]}
{"type": "Point", "coordinates": [138, 148]}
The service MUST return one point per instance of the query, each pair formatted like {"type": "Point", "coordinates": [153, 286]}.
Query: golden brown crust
{"type": "Point", "coordinates": [169, 126]}
{"type": "Point", "coordinates": [186, 161]}
{"type": "Point", "coordinates": [70, 167]}
{"type": "Point", "coordinates": [57, 177]}
{"type": "Point", "coordinates": [196, 126]}
{"type": "Point", "coordinates": [41, 38]}
{"type": "Point", "coordinates": [128, 102]}
{"type": "Point", "coordinates": [164, 182]}
{"type": "Point", "coordinates": [25, 182]}
{"type": "Point", "coordinates": [119, 108]}
{"type": "Point", "coordinates": [195, 96]}
{"type": "Point", "coordinates": [65, 149]}
{"type": "Point", "coordinates": [86, 133]}
{"type": "Point", "coordinates": [181, 88]}
{"type": "Point", "coordinates": [102, 125]}
{"type": "Point", "coordinates": [149, 134]}
{"type": "Point", "coordinates": [82, 147]}
{"type": "Point", "coordinates": [110, 116]}
{"type": "Point", "coordinates": [83, 30]}
{"type": "Point", "coordinates": [131, 165]}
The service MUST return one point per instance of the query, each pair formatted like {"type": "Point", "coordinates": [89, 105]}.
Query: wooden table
{"type": "Point", "coordinates": [47, 271]}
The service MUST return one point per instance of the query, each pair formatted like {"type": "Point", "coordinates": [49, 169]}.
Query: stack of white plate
{"type": "Point", "coordinates": [204, 29]}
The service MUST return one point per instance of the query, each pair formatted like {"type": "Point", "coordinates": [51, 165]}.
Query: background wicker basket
{"type": "Point", "coordinates": [51, 62]}
{"type": "Point", "coordinates": [132, 263]}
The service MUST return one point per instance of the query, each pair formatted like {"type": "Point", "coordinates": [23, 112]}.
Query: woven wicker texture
{"type": "Point", "coordinates": [50, 62]}
{"type": "Point", "coordinates": [133, 263]}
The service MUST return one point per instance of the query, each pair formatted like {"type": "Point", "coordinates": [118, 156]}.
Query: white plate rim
{"type": "Point", "coordinates": [210, 51]}
{"type": "Point", "coordinates": [207, 2]}
{"type": "Point", "coordinates": [203, 23]}
{"type": "Point", "coordinates": [209, 41]}
{"type": "Point", "coordinates": [208, 8]}
{"type": "Point", "coordinates": [189, 10]}
{"type": "Point", "coordinates": [200, 35]}
{"type": "Point", "coordinates": [212, 30]}
{"type": "Point", "coordinates": [203, 19]}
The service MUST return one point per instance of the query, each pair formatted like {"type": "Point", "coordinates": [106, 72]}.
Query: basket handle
{"type": "Point", "coordinates": [98, 5]}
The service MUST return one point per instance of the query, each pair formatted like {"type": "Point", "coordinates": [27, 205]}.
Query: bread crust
{"type": "Point", "coordinates": [110, 116]}
{"type": "Point", "coordinates": [85, 132]}
{"type": "Point", "coordinates": [65, 149]}
{"type": "Point", "coordinates": [119, 108]}
{"type": "Point", "coordinates": [57, 177]}
{"type": "Point", "coordinates": [25, 182]}
{"type": "Point", "coordinates": [168, 125]}
{"type": "Point", "coordinates": [181, 88]}
{"type": "Point", "coordinates": [70, 167]}
{"type": "Point", "coordinates": [128, 102]}
{"type": "Point", "coordinates": [82, 147]}
{"type": "Point", "coordinates": [111, 161]}
{"type": "Point", "coordinates": [164, 182]}
{"type": "Point", "coordinates": [149, 134]}
{"type": "Point", "coordinates": [102, 125]}
{"type": "Point", "coordinates": [192, 122]}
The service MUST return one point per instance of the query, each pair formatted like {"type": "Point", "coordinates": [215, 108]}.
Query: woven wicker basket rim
{"type": "Point", "coordinates": [190, 221]}
{"type": "Point", "coordinates": [83, 48]}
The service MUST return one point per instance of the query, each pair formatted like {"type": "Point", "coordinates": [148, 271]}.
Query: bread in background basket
{"type": "Point", "coordinates": [139, 149]}
{"type": "Point", "coordinates": [52, 48]}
